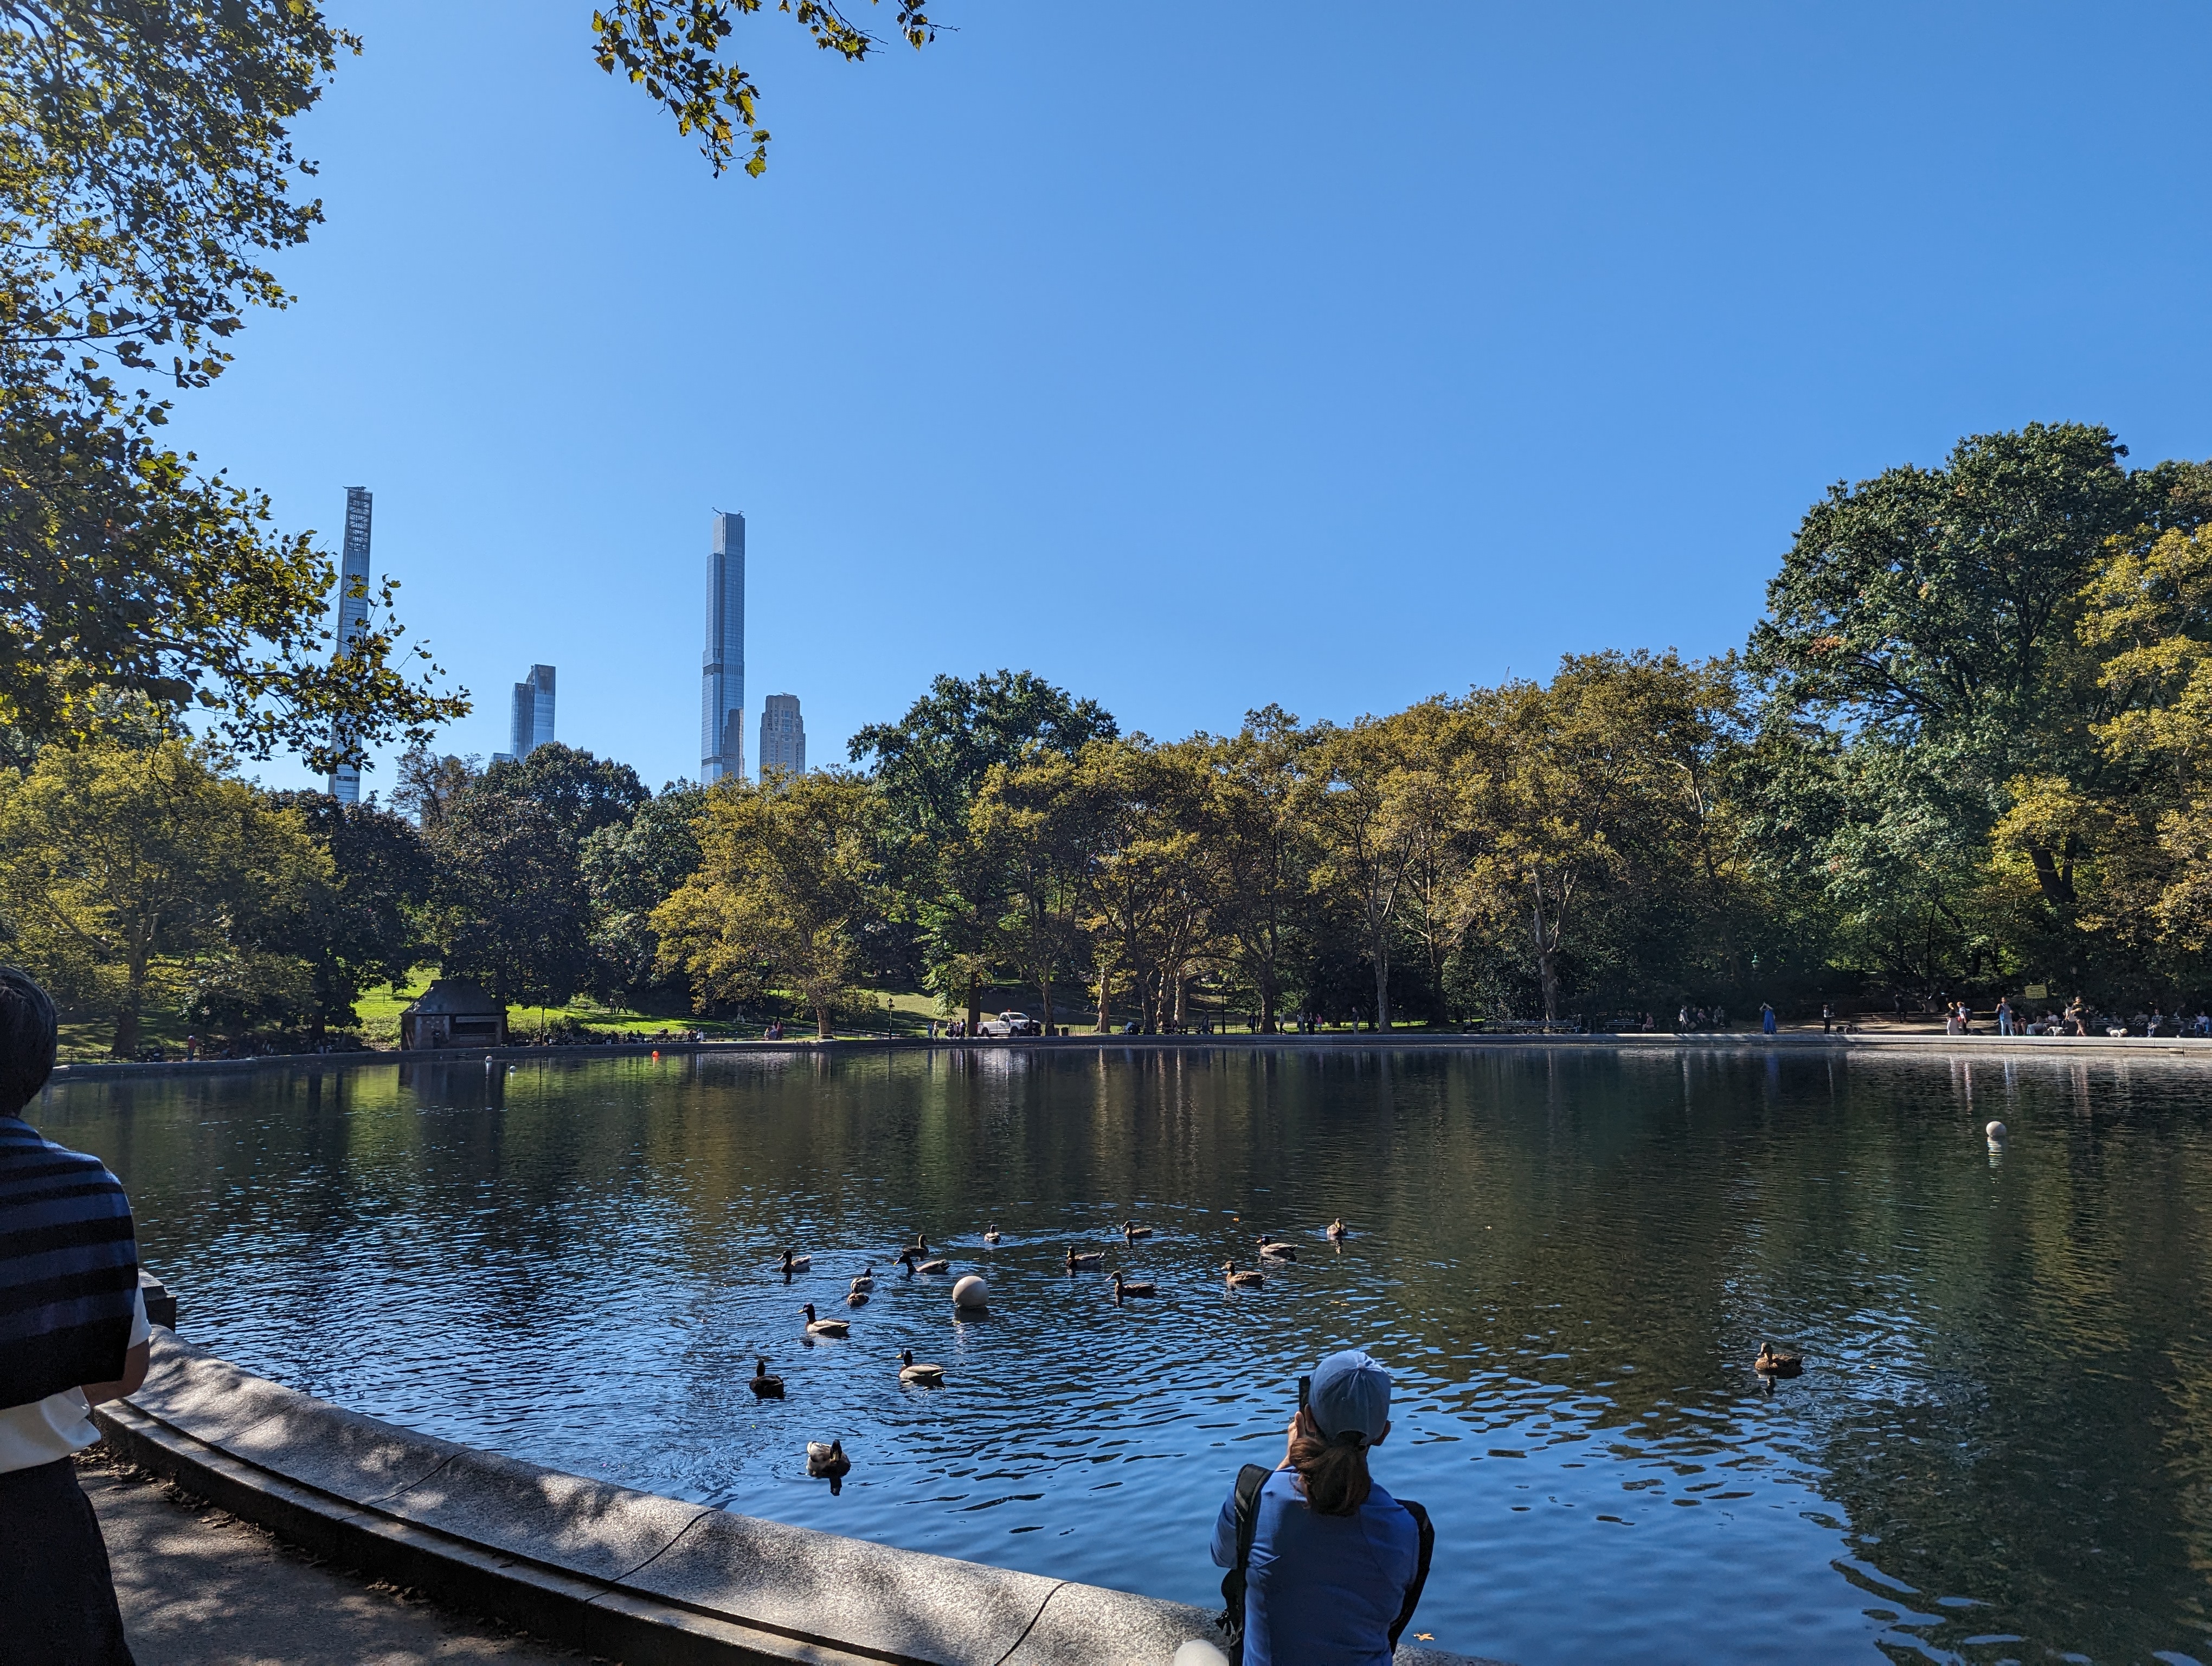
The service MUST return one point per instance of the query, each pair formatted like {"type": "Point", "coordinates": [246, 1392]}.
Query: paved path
{"type": "Point", "coordinates": [200, 1588]}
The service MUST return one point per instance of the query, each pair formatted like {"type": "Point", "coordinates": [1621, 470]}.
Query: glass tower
{"type": "Point", "coordinates": [529, 723]}
{"type": "Point", "coordinates": [722, 672]}
{"type": "Point", "coordinates": [782, 738]}
{"type": "Point", "coordinates": [353, 617]}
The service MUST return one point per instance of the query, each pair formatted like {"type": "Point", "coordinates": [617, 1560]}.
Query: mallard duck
{"type": "Point", "coordinates": [763, 1386]}
{"type": "Point", "coordinates": [922, 1376]}
{"type": "Point", "coordinates": [990, 1234]}
{"type": "Point", "coordinates": [856, 1298]}
{"type": "Point", "coordinates": [1248, 1279]}
{"type": "Point", "coordinates": [906, 1258]}
{"type": "Point", "coordinates": [1771, 1364]}
{"type": "Point", "coordinates": [827, 1462]}
{"type": "Point", "coordinates": [1275, 1250]}
{"type": "Point", "coordinates": [1129, 1287]}
{"type": "Point", "coordinates": [1088, 1258]}
{"type": "Point", "coordinates": [1130, 1230]}
{"type": "Point", "coordinates": [1337, 1230]}
{"type": "Point", "coordinates": [796, 1263]}
{"type": "Point", "coordinates": [825, 1327]}
{"type": "Point", "coordinates": [866, 1279]}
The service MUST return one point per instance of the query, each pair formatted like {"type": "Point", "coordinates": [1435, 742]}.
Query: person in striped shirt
{"type": "Point", "coordinates": [73, 1333]}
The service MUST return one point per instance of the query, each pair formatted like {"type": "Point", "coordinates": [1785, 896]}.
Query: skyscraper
{"type": "Point", "coordinates": [531, 720]}
{"type": "Point", "coordinates": [783, 736]}
{"type": "Point", "coordinates": [722, 674]}
{"type": "Point", "coordinates": [353, 617]}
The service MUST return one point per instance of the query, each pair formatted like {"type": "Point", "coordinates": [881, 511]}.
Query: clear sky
{"type": "Point", "coordinates": [1196, 356]}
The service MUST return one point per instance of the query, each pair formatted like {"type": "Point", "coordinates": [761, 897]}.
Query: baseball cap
{"type": "Point", "coordinates": [1350, 1392]}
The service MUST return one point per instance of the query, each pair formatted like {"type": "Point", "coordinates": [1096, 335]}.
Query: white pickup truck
{"type": "Point", "coordinates": [1009, 1023]}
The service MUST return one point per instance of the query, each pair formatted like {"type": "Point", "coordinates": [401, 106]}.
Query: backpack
{"type": "Point", "coordinates": [1249, 1479]}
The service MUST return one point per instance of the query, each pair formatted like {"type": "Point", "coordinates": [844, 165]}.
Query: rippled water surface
{"type": "Point", "coordinates": [2001, 1448]}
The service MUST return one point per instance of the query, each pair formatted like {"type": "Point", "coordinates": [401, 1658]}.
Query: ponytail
{"type": "Point", "coordinates": [1332, 1473]}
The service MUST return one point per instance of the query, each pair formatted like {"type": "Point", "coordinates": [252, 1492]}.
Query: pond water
{"type": "Point", "coordinates": [2001, 1449]}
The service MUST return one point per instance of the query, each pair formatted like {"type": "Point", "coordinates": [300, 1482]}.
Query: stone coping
{"type": "Point", "coordinates": [626, 1575]}
{"type": "Point", "coordinates": [2133, 1047]}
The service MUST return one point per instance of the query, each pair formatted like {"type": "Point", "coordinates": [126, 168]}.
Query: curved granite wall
{"type": "Point", "coordinates": [626, 1575]}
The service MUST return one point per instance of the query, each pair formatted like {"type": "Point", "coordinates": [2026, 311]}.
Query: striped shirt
{"type": "Point", "coordinates": [68, 1268]}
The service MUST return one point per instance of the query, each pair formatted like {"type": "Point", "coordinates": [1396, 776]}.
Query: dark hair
{"type": "Point", "coordinates": [26, 1039]}
{"type": "Point", "coordinates": [1332, 1472]}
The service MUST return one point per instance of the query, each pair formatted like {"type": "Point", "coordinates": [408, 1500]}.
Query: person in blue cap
{"type": "Point", "coordinates": [1332, 1554]}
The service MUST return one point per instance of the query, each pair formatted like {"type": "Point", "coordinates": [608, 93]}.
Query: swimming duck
{"type": "Point", "coordinates": [763, 1386]}
{"type": "Point", "coordinates": [907, 1260]}
{"type": "Point", "coordinates": [827, 1462]}
{"type": "Point", "coordinates": [991, 1234]}
{"type": "Point", "coordinates": [825, 1327]}
{"type": "Point", "coordinates": [1130, 1230]}
{"type": "Point", "coordinates": [866, 1280]}
{"type": "Point", "coordinates": [1249, 1279]}
{"type": "Point", "coordinates": [856, 1298]}
{"type": "Point", "coordinates": [922, 1376]}
{"type": "Point", "coordinates": [796, 1263]}
{"type": "Point", "coordinates": [1337, 1228]}
{"type": "Point", "coordinates": [1129, 1287]}
{"type": "Point", "coordinates": [1771, 1364]}
{"type": "Point", "coordinates": [1275, 1250]}
{"type": "Point", "coordinates": [1088, 1258]}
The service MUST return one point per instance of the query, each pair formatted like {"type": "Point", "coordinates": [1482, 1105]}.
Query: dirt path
{"type": "Point", "coordinates": [200, 1588]}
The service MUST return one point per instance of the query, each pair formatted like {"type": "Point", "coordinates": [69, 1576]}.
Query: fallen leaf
{"type": "Point", "coordinates": [1425, 1637]}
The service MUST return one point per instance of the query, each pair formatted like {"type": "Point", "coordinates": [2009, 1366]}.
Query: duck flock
{"type": "Point", "coordinates": [828, 1460]}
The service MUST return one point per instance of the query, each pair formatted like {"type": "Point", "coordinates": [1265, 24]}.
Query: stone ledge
{"type": "Point", "coordinates": [626, 1575]}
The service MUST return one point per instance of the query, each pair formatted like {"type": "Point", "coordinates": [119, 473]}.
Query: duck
{"type": "Point", "coordinates": [856, 1298]}
{"type": "Point", "coordinates": [1337, 1230]}
{"type": "Point", "coordinates": [990, 1233]}
{"type": "Point", "coordinates": [1131, 1287]}
{"type": "Point", "coordinates": [922, 1376]}
{"type": "Point", "coordinates": [763, 1386]}
{"type": "Point", "coordinates": [825, 1327]}
{"type": "Point", "coordinates": [907, 1260]}
{"type": "Point", "coordinates": [1130, 1230]}
{"type": "Point", "coordinates": [827, 1462]}
{"type": "Point", "coordinates": [1275, 1250]}
{"type": "Point", "coordinates": [1248, 1279]}
{"type": "Point", "coordinates": [865, 1277]}
{"type": "Point", "coordinates": [793, 1263]}
{"type": "Point", "coordinates": [1088, 1258]}
{"type": "Point", "coordinates": [1772, 1364]}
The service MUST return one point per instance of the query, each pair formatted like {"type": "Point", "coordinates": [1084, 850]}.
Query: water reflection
{"type": "Point", "coordinates": [1570, 1261]}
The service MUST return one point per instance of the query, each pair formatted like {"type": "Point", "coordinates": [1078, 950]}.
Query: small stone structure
{"type": "Point", "coordinates": [453, 1013]}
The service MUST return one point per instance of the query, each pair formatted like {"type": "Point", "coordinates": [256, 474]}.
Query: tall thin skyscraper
{"type": "Point", "coordinates": [783, 737]}
{"type": "Point", "coordinates": [353, 618]}
{"type": "Point", "coordinates": [530, 722]}
{"type": "Point", "coordinates": [722, 675]}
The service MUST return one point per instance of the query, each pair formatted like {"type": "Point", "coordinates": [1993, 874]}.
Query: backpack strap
{"type": "Point", "coordinates": [1249, 1479]}
{"type": "Point", "coordinates": [1428, 1542]}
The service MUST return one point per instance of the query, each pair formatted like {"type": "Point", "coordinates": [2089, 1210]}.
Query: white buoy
{"type": "Point", "coordinates": [1199, 1652]}
{"type": "Point", "coordinates": [971, 1295]}
{"type": "Point", "coordinates": [1996, 1132]}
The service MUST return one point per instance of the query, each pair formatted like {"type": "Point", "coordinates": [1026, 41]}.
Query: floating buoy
{"type": "Point", "coordinates": [1996, 1132]}
{"type": "Point", "coordinates": [971, 1295]}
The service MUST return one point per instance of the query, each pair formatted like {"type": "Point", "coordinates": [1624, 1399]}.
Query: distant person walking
{"type": "Point", "coordinates": [1765, 1018]}
{"type": "Point", "coordinates": [75, 1334]}
{"type": "Point", "coordinates": [1325, 1567]}
{"type": "Point", "coordinates": [2004, 1015]}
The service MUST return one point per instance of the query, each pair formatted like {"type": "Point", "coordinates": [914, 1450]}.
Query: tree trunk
{"type": "Point", "coordinates": [1266, 1008]}
{"type": "Point", "coordinates": [1382, 986]}
{"type": "Point", "coordinates": [821, 1024]}
{"type": "Point", "coordinates": [975, 1003]}
{"type": "Point", "coordinates": [1044, 993]}
{"type": "Point", "coordinates": [1181, 1000]}
{"type": "Point", "coordinates": [2058, 887]}
{"type": "Point", "coordinates": [1105, 998]}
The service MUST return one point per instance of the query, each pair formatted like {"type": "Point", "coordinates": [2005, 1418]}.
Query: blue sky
{"type": "Point", "coordinates": [1199, 356]}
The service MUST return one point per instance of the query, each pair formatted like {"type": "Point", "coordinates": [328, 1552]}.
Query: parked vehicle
{"type": "Point", "coordinates": [1009, 1023]}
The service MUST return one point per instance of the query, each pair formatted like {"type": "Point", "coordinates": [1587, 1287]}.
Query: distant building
{"type": "Point", "coordinates": [783, 737]}
{"type": "Point", "coordinates": [353, 619]}
{"type": "Point", "coordinates": [531, 724]}
{"type": "Point", "coordinates": [453, 1013]}
{"type": "Point", "coordinates": [722, 671]}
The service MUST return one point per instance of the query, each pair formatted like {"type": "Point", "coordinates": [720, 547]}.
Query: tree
{"type": "Point", "coordinates": [507, 905]}
{"type": "Point", "coordinates": [787, 888]}
{"type": "Point", "coordinates": [135, 849]}
{"type": "Point", "coordinates": [631, 868]}
{"type": "Point", "coordinates": [929, 767]}
{"type": "Point", "coordinates": [145, 170]}
{"type": "Point", "coordinates": [354, 925]}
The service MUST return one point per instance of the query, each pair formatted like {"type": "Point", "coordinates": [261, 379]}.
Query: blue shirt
{"type": "Point", "coordinates": [1328, 1587]}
